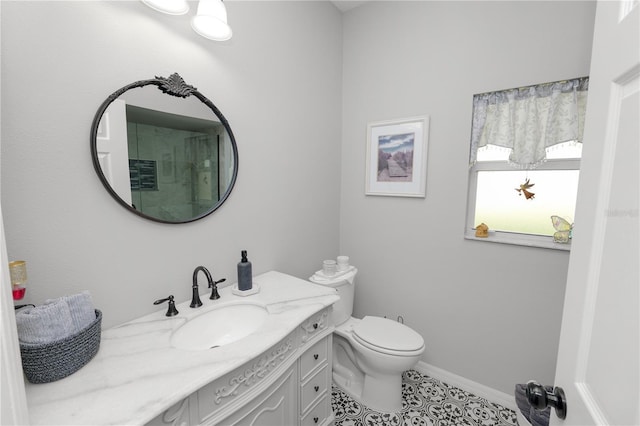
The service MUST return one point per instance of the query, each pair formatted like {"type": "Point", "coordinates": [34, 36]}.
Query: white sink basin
{"type": "Point", "coordinates": [219, 327]}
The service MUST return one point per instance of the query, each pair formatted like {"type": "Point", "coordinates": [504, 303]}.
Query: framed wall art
{"type": "Point", "coordinates": [397, 157]}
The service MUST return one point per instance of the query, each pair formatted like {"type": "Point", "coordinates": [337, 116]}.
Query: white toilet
{"type": "Point", "coordinates": [369, 354]}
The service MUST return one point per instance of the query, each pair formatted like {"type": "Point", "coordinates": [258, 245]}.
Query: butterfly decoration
{"type": "Point", "coordinates": [563, 229]}
{"type": "Point", "coordinates": [524, 190]}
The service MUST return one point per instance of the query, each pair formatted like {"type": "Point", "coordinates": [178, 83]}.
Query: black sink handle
{"type": "Point", "coordinates": [171, 311]}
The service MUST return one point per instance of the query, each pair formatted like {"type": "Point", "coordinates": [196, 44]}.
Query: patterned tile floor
{"type": "Point", "coordinates": [425, 402]}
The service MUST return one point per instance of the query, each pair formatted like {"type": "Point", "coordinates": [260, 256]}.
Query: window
{"type": "Point", "coordinates": [525, 163]}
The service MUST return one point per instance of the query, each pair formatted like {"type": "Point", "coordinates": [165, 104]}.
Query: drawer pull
{"type": "Point", "coordinates": [315, 325]}
{"type": "Point", "coordinates": [315, 419]}
{"type": "Point", "coordinates": [315, 356]}
{"type": "Point", "coordinates": [316, 388]}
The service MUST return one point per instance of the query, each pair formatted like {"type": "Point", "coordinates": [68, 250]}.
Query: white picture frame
{"type": "Point", "coordinates": [396, 164]}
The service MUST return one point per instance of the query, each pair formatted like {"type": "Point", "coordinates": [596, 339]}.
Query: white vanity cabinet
{"type": "Point", "coordinates": [289, 384]}
{"type": "Point", "coordinates": [278, 375]}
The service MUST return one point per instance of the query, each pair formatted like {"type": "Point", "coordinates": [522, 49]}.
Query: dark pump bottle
{"type": "Point", "coordinates": [244, 273]}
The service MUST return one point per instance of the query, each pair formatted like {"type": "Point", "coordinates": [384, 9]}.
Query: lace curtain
{"type": "Point", "coordinates": [529, 120]}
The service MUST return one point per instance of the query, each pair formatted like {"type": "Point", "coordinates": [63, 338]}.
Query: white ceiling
{"type": "Point", "coordinates": [345, 5]}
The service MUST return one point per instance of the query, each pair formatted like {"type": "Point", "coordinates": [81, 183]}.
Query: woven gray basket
{"type": "Point", "coordinates": [44, 363]}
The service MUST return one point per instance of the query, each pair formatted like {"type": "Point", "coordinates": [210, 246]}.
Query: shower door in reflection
{"type": "Point", "coordinates": [202, 169]}
{"type": "Point", "coordinates": [175, 173]}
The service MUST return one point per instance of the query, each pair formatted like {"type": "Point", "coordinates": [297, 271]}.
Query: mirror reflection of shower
{"type": "Point", "coordinates": [176, 164]}
{"type": "Point", "coordinates": [164, 151]}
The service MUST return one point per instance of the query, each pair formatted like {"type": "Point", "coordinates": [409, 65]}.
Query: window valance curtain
{"type": "Point", "coordinates": [529, 120]}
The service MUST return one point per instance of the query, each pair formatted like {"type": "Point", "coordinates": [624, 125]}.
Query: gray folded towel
{"type": "Point", "coordinates": [44, 324]}
{"type": "Point", "coordinates": [56, 319]}
{"type": "Point", "coordinates": [81, 308]}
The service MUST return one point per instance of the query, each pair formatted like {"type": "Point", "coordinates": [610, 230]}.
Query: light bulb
{"type": "Point", "coordinates": [170, 7]}
{"type": "Point", "coordinates": [211, 20]}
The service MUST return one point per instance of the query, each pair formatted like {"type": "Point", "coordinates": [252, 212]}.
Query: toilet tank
{"type": "Point", "coordinates": [344, 283]}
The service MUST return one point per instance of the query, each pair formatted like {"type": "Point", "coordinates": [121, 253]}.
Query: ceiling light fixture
{"type": "Point", "coordinates": [210, 20]}
{"type": "Point", "coordinates": [170, 7]}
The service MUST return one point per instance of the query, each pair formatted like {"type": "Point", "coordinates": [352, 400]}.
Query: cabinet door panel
{"type": "Point", "coordinates": [276, 406]}
{"type": "Point", "coordinates": [225, 392]}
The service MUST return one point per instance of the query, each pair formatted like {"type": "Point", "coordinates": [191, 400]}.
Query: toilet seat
{"type": "Point", "coordinates": [387, 336]}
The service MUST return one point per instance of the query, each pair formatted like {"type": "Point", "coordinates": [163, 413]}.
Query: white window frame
{"type": "Point", "coordinates": [504, 237]}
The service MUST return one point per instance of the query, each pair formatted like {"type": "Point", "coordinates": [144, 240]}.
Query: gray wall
{"type": "Point", "coordinates": [278, 82]}
{"type": "Point", "coordinates": [488, 312]}
{"type": "Point", "coordinates": [298, 93]}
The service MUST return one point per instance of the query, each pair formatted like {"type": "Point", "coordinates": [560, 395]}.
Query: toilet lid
{"type": "Point", "coordinates": [388, 335]}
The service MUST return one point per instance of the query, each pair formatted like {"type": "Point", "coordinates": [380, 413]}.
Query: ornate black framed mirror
{"type": "Point", "coordinates": [164, 151]}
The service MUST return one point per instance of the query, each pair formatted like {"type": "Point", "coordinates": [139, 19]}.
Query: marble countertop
{"type": "Point", "coordinates": [137, 374]}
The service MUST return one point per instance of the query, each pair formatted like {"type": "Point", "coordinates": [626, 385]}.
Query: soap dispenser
{"type": "Point", "coordinates": [244, 273]}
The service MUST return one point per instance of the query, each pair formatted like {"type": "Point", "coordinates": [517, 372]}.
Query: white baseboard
{"type": "Point", "coordinates": [475, 388]}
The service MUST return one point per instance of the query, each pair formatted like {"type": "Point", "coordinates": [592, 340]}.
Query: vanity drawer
{"type": "Point", "coordinates": [319, 415]}
{"type": "Point", "coordinates": [315, 356]}
{"type": "Point", "coordinates": [314, 325]}
{"type": "Point", "coordinates": [313, 388]}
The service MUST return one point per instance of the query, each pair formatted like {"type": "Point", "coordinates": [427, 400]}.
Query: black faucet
{"type": "Point", "coordinates": [214, 289]}
{"type": "Point", "coordinates": [195, 300]}
{"type": "Point", "coordinates": [171, 311]}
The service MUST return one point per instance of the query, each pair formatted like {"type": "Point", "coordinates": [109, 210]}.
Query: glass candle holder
{"type": "Point", "coordinates": [329, 267]}
{"type": "Point", "coordinates": [343, 263]}
{"type": "Point", "coordinates": [18, 272]}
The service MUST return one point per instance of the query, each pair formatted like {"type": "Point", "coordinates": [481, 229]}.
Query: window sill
{"type": "Point", "coordinates": [519, 239]}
